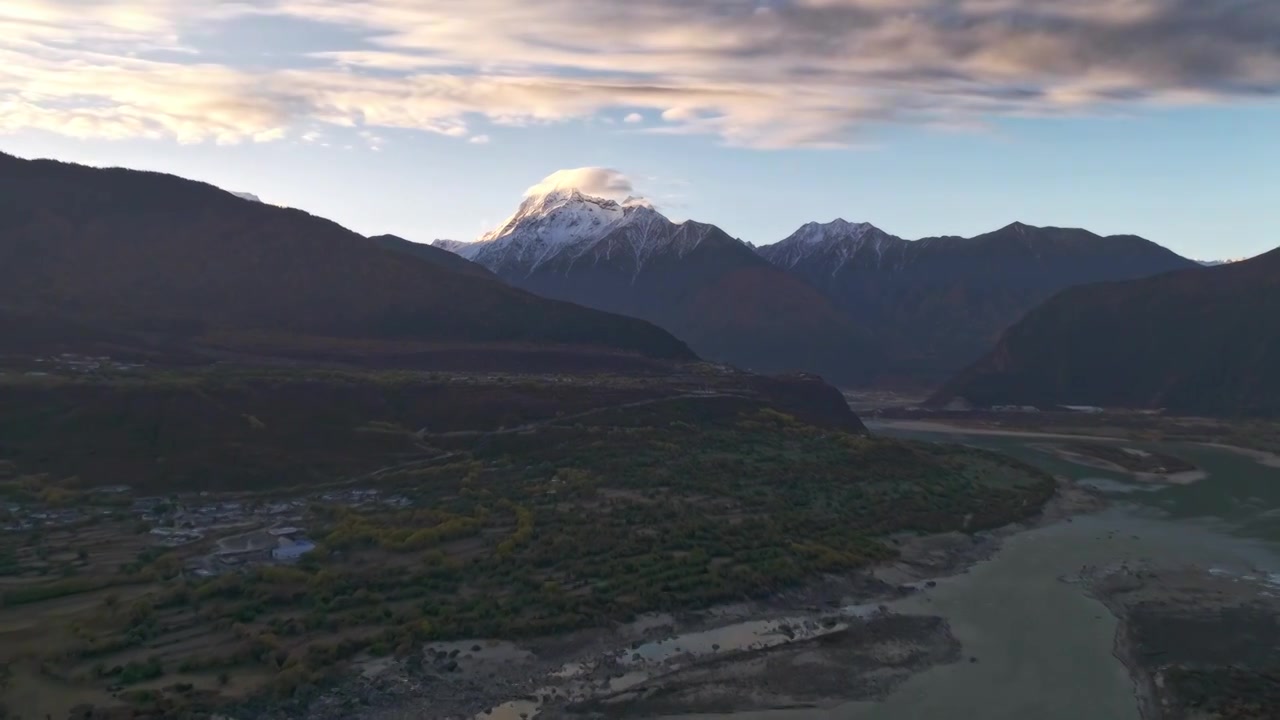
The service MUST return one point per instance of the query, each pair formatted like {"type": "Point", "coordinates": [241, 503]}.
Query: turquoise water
{"type": "Point", "coordinates": [1240, 496]}
{"type": "Point", "coordinates": [1043, 647]}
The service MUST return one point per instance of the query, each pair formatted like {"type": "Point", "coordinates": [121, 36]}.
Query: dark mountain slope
{"type": "Point", "coordinates": [937, 304]}
{"type": "Point", "coordinates": [720, 298]}
{"type": "Point", "coordinates": [1202, 340]}
{"type": "Point", "coordinates": [434, 255]}
{"type": "Point", "coordinates": [156, 256]}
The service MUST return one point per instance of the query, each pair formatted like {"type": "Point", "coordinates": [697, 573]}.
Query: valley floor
{"type": "Point", "coordinates": [334, 523]}
{"type": "Point", "coordinates": [479, 547]}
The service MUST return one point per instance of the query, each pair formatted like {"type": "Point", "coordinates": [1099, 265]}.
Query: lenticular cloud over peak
{"type": "Point", "coordinates": [598, 182]}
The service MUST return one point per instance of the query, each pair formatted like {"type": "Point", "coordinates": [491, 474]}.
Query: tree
{"type": "Point", "coordinates": [140, 612]}
{"type": "Point", "coordinates": [287, 682]}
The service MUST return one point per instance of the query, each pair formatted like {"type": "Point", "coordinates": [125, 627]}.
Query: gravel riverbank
{"type": "Point", "coordinates": [1199, 642]}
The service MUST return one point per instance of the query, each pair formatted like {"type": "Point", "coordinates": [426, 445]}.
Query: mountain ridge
{"type": "Point", "coordinates": [154, 256]}
{"type": "Point", "coordinates": [693, 279]}
{"type": "Point", "coordinates": [939, 303]}
{"type": "Point", "coordinates": [565, 222]}
{"type": "Point", "coordinates": [1190, 341]}
{"type": "Point", "coordinates": [432, 254]}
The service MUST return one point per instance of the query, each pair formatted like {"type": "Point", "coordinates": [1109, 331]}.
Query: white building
{"type": "Point", "coordinates": [290, 550]}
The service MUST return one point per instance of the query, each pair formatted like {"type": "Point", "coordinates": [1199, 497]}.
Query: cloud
{"type": "Point", "coordinates": [372, 140]}
{"type": "Point", "coordinates": [478, 139]}
{"type": "Point", "coordinates": [780, 73]}
{"type": "Point", "coordinates": [594, 181]}
{"type": "Point", "coordinates": [633, 118]}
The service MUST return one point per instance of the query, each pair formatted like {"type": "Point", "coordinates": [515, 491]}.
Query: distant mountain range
{"type": "Point", "coordinates": [1204, 340]}
{"type": "Point", "coordinates": [693, 279]}
{"type": "Point", "coordinates": [869, 306]}
{"type": "Point", "coordinates": [127, 260]}
{"type": "Point", "coordinates": [937, 304]}
{"type": "Point", "coordinates": [121, 260]}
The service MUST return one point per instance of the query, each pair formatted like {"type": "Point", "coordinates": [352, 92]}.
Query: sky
{"type": "Point", "coordinates": [431, 118]}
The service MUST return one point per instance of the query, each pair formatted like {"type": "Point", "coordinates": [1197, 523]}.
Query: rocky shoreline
{"type": "Point", "coordinates": [1198, 642]}
{"type": "Point", "coordinates": [664, 663]}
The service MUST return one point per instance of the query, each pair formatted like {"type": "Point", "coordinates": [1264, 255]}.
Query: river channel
{"type": "Point", "coordinates": [1035, 645]}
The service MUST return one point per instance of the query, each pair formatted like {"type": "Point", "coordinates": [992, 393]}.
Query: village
{"type": "Point", "coordinates": [235, 533]}
{"type": "Point", "coordinates": [65, 364]}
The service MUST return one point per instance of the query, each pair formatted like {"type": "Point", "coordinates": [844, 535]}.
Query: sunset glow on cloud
{"type": "Point", "coordinates": [779, 73]}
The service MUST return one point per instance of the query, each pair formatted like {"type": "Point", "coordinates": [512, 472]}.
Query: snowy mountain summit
{"type": "Point", "coordinates": [564, 226]}
{"type": "Point", "coordinates": [457, 247]}
{"type": "Point", "coordinates": [572, 240]}
{"type": "Point", "coordinates": [833, 244]}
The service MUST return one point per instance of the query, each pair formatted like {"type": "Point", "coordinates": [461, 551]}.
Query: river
{"type": "Point", "coordinates": [1036, 645]}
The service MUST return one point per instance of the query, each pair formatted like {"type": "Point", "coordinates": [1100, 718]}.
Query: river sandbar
{"type": "Point", "coordinates": [1078, 457]}
{"type": "Point", "coordinates": [933, 426]}
{"type": "Point", "coordinates": [1267, 459]}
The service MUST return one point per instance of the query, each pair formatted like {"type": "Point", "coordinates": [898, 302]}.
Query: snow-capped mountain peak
{"type": "Point", "coordinates": [837, 242]}
{"type": "Point", "coordinates": [633, 201]}
{"type": "Point", "coordinates": [558, 218]}
{"type": "Point", "coordinates": [457, 247]}
{"type": "Point", "coordinates": [835, 231]}
{"type": "Point", "coordinates": [568, 224]}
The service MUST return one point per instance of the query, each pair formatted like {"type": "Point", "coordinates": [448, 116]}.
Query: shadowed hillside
{"type": "Point", "coordinates": [434, 255]}
{"type": "Point", "coordinates": [157, 260]}
{"type": "Point", "coordinates": [1203, 340]}
{"type": "Point", "coordinates": [937, 304]}
{"type": "Point", "coordinates": [690, 278]}
{"type": "Point", "coordinates": [723, 300]}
